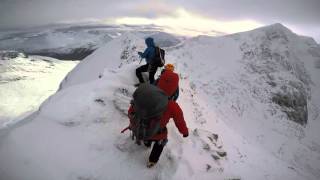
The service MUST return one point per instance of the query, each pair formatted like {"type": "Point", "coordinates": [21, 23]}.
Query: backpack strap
{"type": "Point", "coordinates": [160, 55]}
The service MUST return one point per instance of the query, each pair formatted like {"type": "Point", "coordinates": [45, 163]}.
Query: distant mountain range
{"type": "Point", "coordinates": [74, 42]}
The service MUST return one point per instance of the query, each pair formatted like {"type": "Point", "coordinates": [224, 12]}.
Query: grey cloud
{"type": "Point", "coordinates": [15, 12]}
{"type": "Point", "coordinates": [36, 12]}
{"type": "Point", "coordinates": [295, 13]}
{"type": "Point", "coordinates": [269, 11]}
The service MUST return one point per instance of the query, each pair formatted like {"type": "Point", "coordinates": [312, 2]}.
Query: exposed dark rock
{"type": "Point", "coordinates": [294, 104]}
{"type": "Point", "coordinates": [206, 147]}
{"type": "Point", "coordinates": [129, 53]}
{"type": "Point", "coordinates": [208, 167]}
{"type": "Point", "coordinates": [213, 138]}
{"type": "Point", "coordinates": [100, 101]}
{"type": "Point", "coordinates": [195, 132]}
{"type": "Point", "coordinates": [6, 55]}
{"type": "Point", "coordinates": [222, 153]}
{"type": "Point", "coordinates": [215, 157]}
{"type": "Point", "coordinates": [74, 54]}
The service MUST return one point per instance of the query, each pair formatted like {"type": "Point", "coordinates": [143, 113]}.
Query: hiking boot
{"type": "Point", "coordinates": [147, 143]}
{"type": "Point", "coordinates": [151, 164]}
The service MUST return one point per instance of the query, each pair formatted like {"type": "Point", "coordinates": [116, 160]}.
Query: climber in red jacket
{"type": "Point", "coordinates": [169, 82]}
{"type": "Point", "coordinates": [173, 111]}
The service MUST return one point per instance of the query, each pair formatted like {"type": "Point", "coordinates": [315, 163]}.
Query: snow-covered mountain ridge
{"type": "Point", "coordinates": [73, 41]}
{"type": "Point", "coordinates": [269, 77]}
{"type": "Point", "coordinates": [253, 96]}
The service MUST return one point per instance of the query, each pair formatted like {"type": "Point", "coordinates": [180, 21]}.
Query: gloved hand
{"type": "Point", "coordinates": [131, 115]}
{"type": "Point", "coordinates": [186, 135]}
{"type": "Point", "coordinates": [140, 53]}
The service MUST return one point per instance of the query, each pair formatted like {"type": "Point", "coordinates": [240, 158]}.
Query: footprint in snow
{"type": "Point", "coordinates": [122, 98]}
{"type": "Point", "coordinates": [165, 168]}
{"type": "Point", "coordinates": [210, 145]}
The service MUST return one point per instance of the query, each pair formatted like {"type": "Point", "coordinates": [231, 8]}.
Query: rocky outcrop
{"type": "Point", "coordinates": [6, 55]}
{"type": "Point", "coordinates": [293, 101]}
{"type": "Point", "coordinates": [73, 54]}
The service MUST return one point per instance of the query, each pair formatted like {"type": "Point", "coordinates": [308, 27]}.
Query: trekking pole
{"type": "Point", "coordinates": [124, 130]}
{"type": "Point", "coordinates": [140, 61]}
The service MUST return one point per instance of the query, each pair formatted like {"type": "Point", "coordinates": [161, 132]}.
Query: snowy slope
{"type": "Point", "coordinates": [124, 47]}
{"type": "Point", "coordinates": [232, 96]}
{"type": "Point", "coordinates": [25, 82]}
{"type": "Point", "coordinates": [247, 71]}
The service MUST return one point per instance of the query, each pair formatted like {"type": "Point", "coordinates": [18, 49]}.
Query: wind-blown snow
{"type": "Point", "coordinates": [228, 89]}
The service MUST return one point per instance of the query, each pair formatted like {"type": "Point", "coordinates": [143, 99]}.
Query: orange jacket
{"type": "Point", "coordinates": [173, 111]}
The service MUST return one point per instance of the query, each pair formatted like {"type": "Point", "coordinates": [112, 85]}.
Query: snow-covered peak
{"type": "Point", "coordinates": [112, 56]}
{"type": "Point", "coordinates": [275, 27]}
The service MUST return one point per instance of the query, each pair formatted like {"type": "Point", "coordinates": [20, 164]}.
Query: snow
{"type": "Point", "coordinates": [106, 56]}
{"type": "Point", "coordinates": [25, 82]}
{"type": "Point", "coordinates": [225, 91]}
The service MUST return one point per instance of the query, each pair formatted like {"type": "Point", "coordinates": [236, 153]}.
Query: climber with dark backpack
{"type": "Point", "coordinates": [154, 56]}
{"type": "Point", "coordinates": [149, 113]}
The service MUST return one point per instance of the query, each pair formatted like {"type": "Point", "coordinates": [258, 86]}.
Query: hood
{"type": "Point", "coordinates": [149, 42]}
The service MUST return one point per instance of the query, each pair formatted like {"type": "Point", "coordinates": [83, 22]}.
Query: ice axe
{"type": "Point", "coordinates": [140, 54]}
{"type": "Point", "coordinates": [125, 129]}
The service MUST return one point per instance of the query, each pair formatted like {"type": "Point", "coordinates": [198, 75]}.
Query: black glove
{"type": "Point", "coordinates": [131, 115]}
{"type": "Point", "coordinates": [186, 135]}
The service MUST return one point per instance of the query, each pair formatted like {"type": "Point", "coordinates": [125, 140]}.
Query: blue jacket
{"type": "Point", "coordinates": [150, 52]}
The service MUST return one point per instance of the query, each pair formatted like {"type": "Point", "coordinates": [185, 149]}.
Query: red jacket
{"type": "Point", "coordinates": [168, 82]}
{"type": "Point", "coordinates": [173, 111]}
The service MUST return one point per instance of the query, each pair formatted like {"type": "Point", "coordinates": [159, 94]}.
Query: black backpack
{"type": "Point", "coordinates": [149, 102]}
{"type": "Point", "coordinates": [159, 57]}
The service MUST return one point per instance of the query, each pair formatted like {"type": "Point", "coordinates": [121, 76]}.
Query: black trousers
{"type": "Point", "coordinates": [156, 149]}
{"type": "Point", "coordinates": [144, 68]}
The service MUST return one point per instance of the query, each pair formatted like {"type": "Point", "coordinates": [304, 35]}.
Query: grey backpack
{"type": "Point", "coordinates": [149, 103]}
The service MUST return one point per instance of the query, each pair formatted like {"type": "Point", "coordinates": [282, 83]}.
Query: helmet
{"type": "Point", "coordinates": [169, 67]}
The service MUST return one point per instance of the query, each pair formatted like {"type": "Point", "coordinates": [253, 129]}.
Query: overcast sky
{"type": "Point", "coordinates": [301, 16]}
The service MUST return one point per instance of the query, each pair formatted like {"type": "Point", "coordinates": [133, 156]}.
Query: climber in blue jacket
{"type": "Point", "coordinates": [149, 54]}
